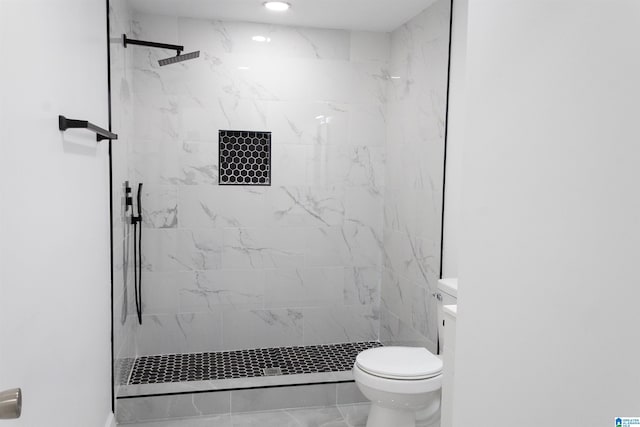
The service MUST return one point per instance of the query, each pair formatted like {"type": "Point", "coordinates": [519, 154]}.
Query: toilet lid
{"type": "Point", "coordinates": [399, 362]}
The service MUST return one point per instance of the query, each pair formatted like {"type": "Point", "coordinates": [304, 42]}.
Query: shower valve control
{"type": "Point", "coordinates": [128, 200]}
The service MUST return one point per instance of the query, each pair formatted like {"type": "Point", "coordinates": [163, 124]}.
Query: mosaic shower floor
{"type": "Point", "coordinates": [246, 363]}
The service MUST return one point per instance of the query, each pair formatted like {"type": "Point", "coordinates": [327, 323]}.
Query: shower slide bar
{"type": "Point", "coordinates": [101, 134]}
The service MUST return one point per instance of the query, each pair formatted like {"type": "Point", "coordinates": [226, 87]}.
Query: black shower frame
{"type": "Point", "coordinates": [111, 202]}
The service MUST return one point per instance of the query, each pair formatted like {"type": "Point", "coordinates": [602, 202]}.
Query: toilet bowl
{"type": "Point", "coordinates": [399, 382]}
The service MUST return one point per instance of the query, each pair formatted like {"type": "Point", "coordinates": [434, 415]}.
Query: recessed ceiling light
{"type": "Point", "coordinates": [261, 39]}
{"type": "Point", "coordinates": [243, 67]}
{"type": "Point", "coordinates": [279, 6]}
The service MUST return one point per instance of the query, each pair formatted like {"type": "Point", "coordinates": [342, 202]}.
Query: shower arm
{"type": "Point", "coordinates": [126, 41]}
{"type": "Point", "coordinates": [101, 134]}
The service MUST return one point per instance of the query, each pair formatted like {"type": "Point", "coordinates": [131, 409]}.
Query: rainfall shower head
{"type": "Point", "coordinates": [179, 58]}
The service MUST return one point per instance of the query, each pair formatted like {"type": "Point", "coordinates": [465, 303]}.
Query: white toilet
{"type": "Point", "coordinates": [400, 381]}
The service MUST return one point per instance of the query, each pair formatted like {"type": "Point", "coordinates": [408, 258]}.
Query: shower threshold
{"type": "Point", "coordinates": [242, 369]}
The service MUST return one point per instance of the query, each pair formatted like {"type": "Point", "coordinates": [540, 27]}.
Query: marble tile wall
{"type": "Point", "coordinates": [299, 262]}
{"type": "Point", "coordinates": [350, 415]}
{"type": "Point", "coordinates": [143, 409]}
{"type": "Point", "coordinates": [121, 149]}
{"type": "Point", "coordinates": [416, 112]}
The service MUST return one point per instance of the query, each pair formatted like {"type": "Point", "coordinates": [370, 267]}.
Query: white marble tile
{"type": "Point", "coordinates": [412, 257]}
{"type": "Point", "coordinates": [215, 290]}
{"type": "Point", "coordinates": [159, 250]}
{"type": "Point", "coordinates": [155, 162]}
{"type": "Point", "coordinates": [362, 286]}
{"type": "Point", "coordinates": [364, 244]}
{"type": "Point", "coordinates": [355, 415]}
{"type": "Point", "coordinates": [326, 247]}
{"type": "Point", "coordinates": [394, 331]}
{"type": "Point", "coordinates": [304, 287]}
{"type": "Point", "coordinates": [160, 291]}
{"type": "Point", "coordinates": [179, 333]}
{"type": "Point", "coordinates": [262, 328]}
{"type": "Point", "coordinates": [289, 164]}
{"type": "Point", "coordinates": [368, 125]}
{"type": "Point", "coordinates": [217, 421]}
{"type": "Point", "coordinates": [159, 121]}
{"type": "Point", "coordinates": [205, 206]}
{"type": "Point", "coordinates": [349, 393]}
{"type": "Point", "coordinates": [370, 82]}
{"type": "Point", "coordinates": [308, 123]}
{"type": "Point", "coordinates": [283, 397]}
{"type": "Point", "coordinates": [199, 249]}
{"type": "Point", "coordinates": [263, 248]}
{"type": "Point", "coordinates": [280, 41]}
{"type": "Point", "coordinates": [154, 27]}
{"type": "Point", "coordinates": [159, 206]}
{"type": "Point", "coordinates": [198, 163]}
{"type": "Point", "coordinates": [364, 206]}
{"type": "Point", "coordinates": [347, 165]}
{"type": "Point", "coordinates": [306, 206]}
{"type": "Point", "coordinates": [340, 324]}
{"type": "Point", "coordinates": [397, 294]}
{"type": "Point", "coordinates": [233, 113]}
{"type": "Point", "coordinates": [201, 118]}
{"type": "Point", "coordinates": [177, 406]}
{"type": "Point", "coordinates": [370, 46]}
{"type": "Point", "coordinates": [317, 417]}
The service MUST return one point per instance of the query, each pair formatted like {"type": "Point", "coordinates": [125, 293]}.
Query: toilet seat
{"type": "Point", "coordinates": [399, 363]}
{"type": "Point", "coordinates": [404, 387]}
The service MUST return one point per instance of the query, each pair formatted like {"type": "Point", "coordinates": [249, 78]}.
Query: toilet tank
{"type": "Point", "coordinates": [447, 295]}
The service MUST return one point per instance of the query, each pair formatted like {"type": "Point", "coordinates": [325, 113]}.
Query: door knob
{"type": "Point", "coordinates": [10, 404]}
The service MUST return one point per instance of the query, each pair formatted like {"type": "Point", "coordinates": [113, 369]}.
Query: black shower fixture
{"type": "Point", "coordinates": [179, 58]}
{"type": "Point", "coordinates": [162, 62]}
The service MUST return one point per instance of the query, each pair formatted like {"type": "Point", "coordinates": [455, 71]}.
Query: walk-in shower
{"type": "Point", "coordinates": [291, 206]}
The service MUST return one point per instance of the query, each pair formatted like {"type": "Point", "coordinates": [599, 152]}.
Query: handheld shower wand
{"type": "Point", "coordinates": [136, 220]}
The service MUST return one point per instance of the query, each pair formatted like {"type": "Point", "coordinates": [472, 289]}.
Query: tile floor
{"type": "Point", "coordinates": [334, 416]}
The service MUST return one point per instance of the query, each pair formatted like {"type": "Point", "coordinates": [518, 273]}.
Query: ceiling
{"type": "Point", "coordinates": [364, 15]}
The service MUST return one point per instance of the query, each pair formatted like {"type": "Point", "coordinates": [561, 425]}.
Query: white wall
{"type": "Point", "coordinates": [455, 139]}
{"type": "Point", "coordinates": [54, 241]}
{"type": "Point", "coordinates": [548, 330]}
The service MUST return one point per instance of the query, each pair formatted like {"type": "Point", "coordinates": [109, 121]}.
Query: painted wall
{"type": "Point", "coordinates": [54, 220]}
{"type": "Point", "coordinates": [547, 321]}
{"type": "Point", "coordinates": [413, 181]}
{"type": "Point", "coordinates": [229, 267]}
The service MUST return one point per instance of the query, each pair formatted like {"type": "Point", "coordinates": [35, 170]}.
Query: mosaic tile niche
{"type": "Point", "coordinates": [245, 157]}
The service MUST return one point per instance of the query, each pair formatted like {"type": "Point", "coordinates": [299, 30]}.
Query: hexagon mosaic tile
{"type": "Point", "coordinates": [245, 157]}
{"type": "Point", "coordinates": [168, 368]}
